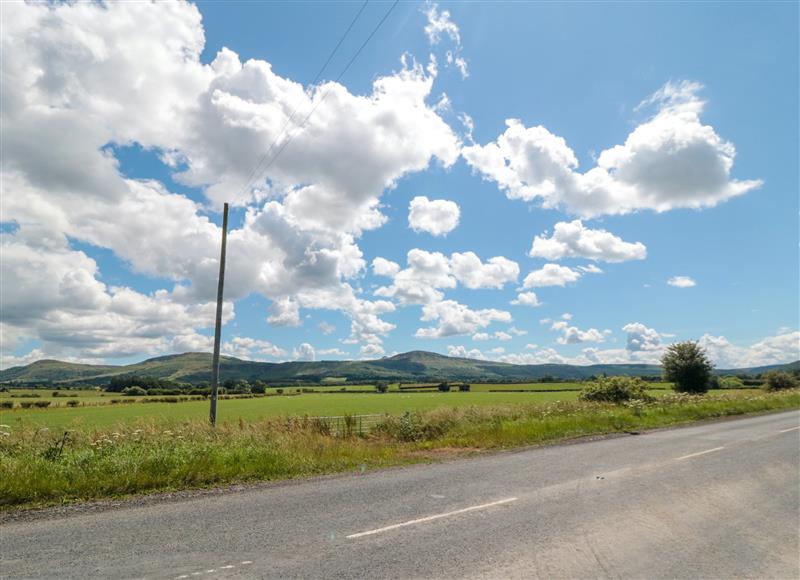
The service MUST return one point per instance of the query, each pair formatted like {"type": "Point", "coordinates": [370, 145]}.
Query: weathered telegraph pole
{"type": "Point", "coordinates": [218, 327]}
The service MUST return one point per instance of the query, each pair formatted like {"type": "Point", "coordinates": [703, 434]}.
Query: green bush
{"type": "Point", "coordinates": [134, 392]}
{"type": "Point", "coordinates": [616, 390]}
{"type": "Point", "coordinates": [778, 380]}
{"type": "Point", "coordinates": [73, 403]}
{"type": "Point", "coordinates": [6, 404]}
{"type": "Point", "coordinates": [464, 388]}
{"type": "Point", "coordinates": [42, 404]}
{"type": "Point", "coordinates": [444, 387]}
{"type": "Point", "coordinates": [382, 387]}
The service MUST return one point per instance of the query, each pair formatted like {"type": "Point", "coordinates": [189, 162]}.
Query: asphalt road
{"type": "Point", "coordinates": [718, 500]}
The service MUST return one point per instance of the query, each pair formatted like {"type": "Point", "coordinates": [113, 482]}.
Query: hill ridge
{"type": "Point", "coordinates": [417, 365]}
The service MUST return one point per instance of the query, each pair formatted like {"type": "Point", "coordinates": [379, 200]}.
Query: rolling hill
{"type": "Point", "coordinates": [410, 366]}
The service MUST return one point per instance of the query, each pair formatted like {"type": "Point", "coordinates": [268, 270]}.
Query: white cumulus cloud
{"type": "Point", "coordinates": [574, 240]}
{"type": "Point", "coordinates": [304, 352]}
{"type": "Point", "coordinates": [574, 335]}
{"type": "Point", "coordinates": [670, 161]}
{"type": "Point", "coordinates": [434, 216]}
{"type": "Point", "coordinates": [526, 299]}
{"type": "Point", "coordinates": [472, 273]}
{"type": "Point", "coordinates": [454, 319]}
{"type": "Point", "coordinates": [550, 275]}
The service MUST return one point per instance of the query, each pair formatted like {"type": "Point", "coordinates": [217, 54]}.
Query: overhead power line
{"type": "Point", "coordinates": [257, 171]}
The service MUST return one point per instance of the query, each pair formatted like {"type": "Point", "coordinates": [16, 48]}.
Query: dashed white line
{"type": "Point", "coordinates": [431, 518]}
{"type": "Point", "coordinates": [787, 430]}
{"type": "Point", "coordinates": [699, 453]}
{"type": "Point", "coordinates": [212, 570]}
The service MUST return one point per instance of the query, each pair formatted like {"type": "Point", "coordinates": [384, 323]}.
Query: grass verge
{"type": "Point", "coordinates": [40, 467]}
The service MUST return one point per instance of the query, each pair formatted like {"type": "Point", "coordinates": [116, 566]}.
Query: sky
{"type": "Point", "coordinates": [524, 182]}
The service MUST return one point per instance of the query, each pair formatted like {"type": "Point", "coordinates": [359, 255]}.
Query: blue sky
{"type": "Point", "coordinates": [670, 130]}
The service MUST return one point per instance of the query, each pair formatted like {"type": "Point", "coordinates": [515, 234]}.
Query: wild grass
{"type": "Point", "coordinates": [132, 409]}
{"type": "Point", "coordinates": [42, 466]}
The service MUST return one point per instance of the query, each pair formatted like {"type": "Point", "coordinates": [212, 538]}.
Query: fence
{"type": "Point", "coordinates": [347, 425]}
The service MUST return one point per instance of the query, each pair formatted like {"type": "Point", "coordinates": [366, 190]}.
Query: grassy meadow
{"type": "Point", "coordinates": [99, 412]}
{"type": "Point", "coordinates": [140, 453]}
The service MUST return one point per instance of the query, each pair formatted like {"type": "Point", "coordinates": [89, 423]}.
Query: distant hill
{"type": "Point", "coordinates": [411, 366]}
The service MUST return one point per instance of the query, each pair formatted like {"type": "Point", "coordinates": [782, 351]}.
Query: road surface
{"type": "Point", "coordinates": [718, 500]}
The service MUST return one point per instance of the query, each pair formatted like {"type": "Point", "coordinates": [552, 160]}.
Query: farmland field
{"type": "Point", "coordinates": [314, 404]}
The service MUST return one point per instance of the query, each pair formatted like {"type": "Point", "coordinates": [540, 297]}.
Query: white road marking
{"type": "Point", "coordinates": [212, 570]}
{"type": "Point", "coordinates": [699, 453]}
{"type": "Point", "coordinates": [431, 518]}
{"type": "Point", "coordinates": [787, 430]}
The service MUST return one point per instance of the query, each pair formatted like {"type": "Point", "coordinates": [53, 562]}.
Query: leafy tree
{"type": "Point", "coordinates": [259, 387]}
{"type": "Point", "coordinates": [382, 386]}
{"type": "Point", "coordinates": [444, 387]}
{"type": "Point", "coordinates": [686, 364]}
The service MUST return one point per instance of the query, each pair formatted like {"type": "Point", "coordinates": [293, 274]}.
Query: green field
{"type": "Point", "coordinates": [40, 467]}
{"type": "Point", "coordinates": [313, 404]}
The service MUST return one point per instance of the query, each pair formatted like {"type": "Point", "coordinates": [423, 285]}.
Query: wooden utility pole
{"type": "Point", "coordinates": [218, 327]}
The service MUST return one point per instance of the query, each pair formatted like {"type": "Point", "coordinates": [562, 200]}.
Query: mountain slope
{"type": "Point", "coordinates": [411, 366]}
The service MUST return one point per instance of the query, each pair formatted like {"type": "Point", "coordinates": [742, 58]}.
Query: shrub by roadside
{"type": "Point", "coordinates": [617, 390]}
{"type": "Point", "coordinates": [778, 380]}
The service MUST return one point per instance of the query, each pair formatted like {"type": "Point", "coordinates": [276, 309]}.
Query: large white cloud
{"type": "Point", "coordinates": [526, 299]}
{"type": "Point", "coordinates": [421, 281]}
{"type": "Point", "coordinates": [574, 240]}
{"type": "Point", "coordinates": [670, 161]}
{"type": "Point", "coordinates": [437, 216]}
{"type": "Point", "coordinates": [304, 352]}
{"type": "Point", "coordinates": [247, 348]}
{"type": "Point", "coordinates": [550, 275]}
{"type": "Point", "coordinates": [454, 319]}
{"type": "Point", "coordinates": [641, 338]}
{"type": "Point", "coordinates": [82, 77]}
{"type": "Point", "coordinates": [428, 273]}
{"type": "Point", "coordinates": [472, 273]}
{"type": "Point", "coordinates": [781, 348]}
{"type": "Point", "coordinates": [53, 294]}
{"type": "Point", "coordinates": [574, 335]}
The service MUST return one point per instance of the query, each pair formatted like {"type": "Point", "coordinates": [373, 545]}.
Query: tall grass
{"type": "Point", "coordinates": [38, 466]}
